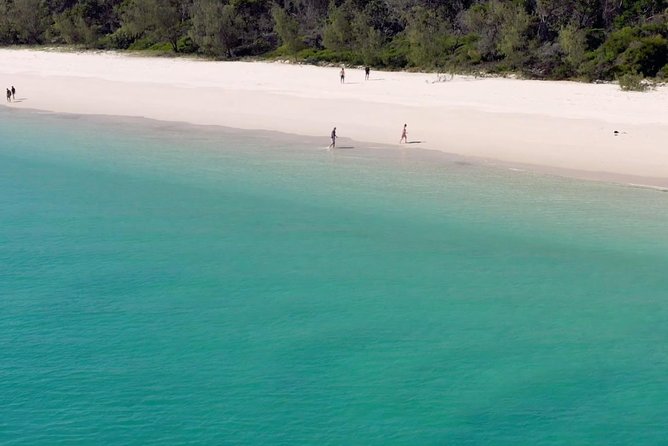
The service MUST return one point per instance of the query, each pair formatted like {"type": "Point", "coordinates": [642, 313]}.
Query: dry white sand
{"type": "Point", "coordinates": [555, 125]}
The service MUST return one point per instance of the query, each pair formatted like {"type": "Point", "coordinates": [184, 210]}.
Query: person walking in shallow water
{"type": "Point", "coordinates": [9, 95]}
{"type": "Point", "coordinates": [13, 93]}
{"type": "Point", "coordinates": [404, 135]}
{"type": "Point", "coordinates": [343, 75]}
{"type": "Point", "coordinates": [333, 136]}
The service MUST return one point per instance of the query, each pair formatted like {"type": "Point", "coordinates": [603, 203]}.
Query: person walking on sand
{"type": "Point", "coordinates": [404, 135]}
{"type": "Point", "coordinates": [9, 95]}
{"type": "Point", "coordinates": [13, 93]}
{"type": "Point", "coordinates": [343, 75]}
{"type": "Point", "coordinates": [367, 70]}
{"type": "Point", "coordinates": [333, 136]}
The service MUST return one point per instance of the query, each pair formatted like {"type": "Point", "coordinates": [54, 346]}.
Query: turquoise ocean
{"type": "Point", "coordinates": [166, 285]}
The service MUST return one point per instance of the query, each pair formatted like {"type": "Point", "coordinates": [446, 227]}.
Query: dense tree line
{"type": "Point", "coordinates": [592, 39]}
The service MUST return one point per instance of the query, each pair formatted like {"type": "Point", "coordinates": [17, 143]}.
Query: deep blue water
{"type": "Point", "coordinates": [171, 285]}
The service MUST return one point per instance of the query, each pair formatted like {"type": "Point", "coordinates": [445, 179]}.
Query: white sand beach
{"type": "Point", "coordinates": [567, 126]}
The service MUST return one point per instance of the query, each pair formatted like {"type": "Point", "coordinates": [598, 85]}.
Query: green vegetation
{"type": "Point", "coordinates": [551, 39]}
{"type": "Point", "coordinates": [632, 82]}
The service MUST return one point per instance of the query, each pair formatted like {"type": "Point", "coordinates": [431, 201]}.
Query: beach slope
{"type": "Point", "coordinates": [565, 126]}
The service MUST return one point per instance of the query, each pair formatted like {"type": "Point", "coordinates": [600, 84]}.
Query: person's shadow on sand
{"type": "Point", "coordinates": [20, 100]}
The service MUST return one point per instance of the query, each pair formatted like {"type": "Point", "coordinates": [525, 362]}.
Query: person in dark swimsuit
{"type": "Point", "coordinates": [13, 92]}
{"type": "Point", "coordinates": [343, 75]}
{"type": "Point", "coordinates": [404, 135]}
{"type": "Point", "coordinates": [9, 95]}
{"type": "Point", "coordinates": [367, 70]}
{"type": "Point", "coordinates": [333, 136]}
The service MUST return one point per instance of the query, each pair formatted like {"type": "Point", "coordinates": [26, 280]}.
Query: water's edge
{"type": "Point", "coordinates": [383, 152]}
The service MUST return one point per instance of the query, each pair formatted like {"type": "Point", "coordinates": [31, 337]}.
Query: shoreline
{"type": "Point", "coordinates": [368, 151]}
{"type": "Point", "coordinates": [558, 128]}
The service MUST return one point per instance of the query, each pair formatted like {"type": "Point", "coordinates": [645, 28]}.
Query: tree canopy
{"type": "Point", "coordinates": [588, 39]}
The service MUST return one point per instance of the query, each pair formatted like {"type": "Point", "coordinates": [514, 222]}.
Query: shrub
{"type": "Point", "coordinates": [632, 82]}
{"type": "Point", "coordinates": [547, 61]}
{"type": "Point", "coordinates": [161, 47]}
{"type": "Point", "coordinates": [466, 51]}
{"type": "Point", "coordinates": [663, 73]}
{"type": "Point", "coordinates": [252, 48]}
{"type": "Point", "coordinates": [315, 57]}
{"type": "Point", "coordinates": [120, 39]}
{"type": "Point", "coordinates": [646, 55]}
{"type": "Point", "coordinates": [142, 43]}
{"type": "Point", "coordinates": [395, 55]}
{"type": "Point", "coordinates": [631, 50]}
{"type": "Point", "coordinates": [186, 45]}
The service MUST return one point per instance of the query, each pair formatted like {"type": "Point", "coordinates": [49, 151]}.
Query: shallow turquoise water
{"type": "Point", "coordinates": [167, 285]}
